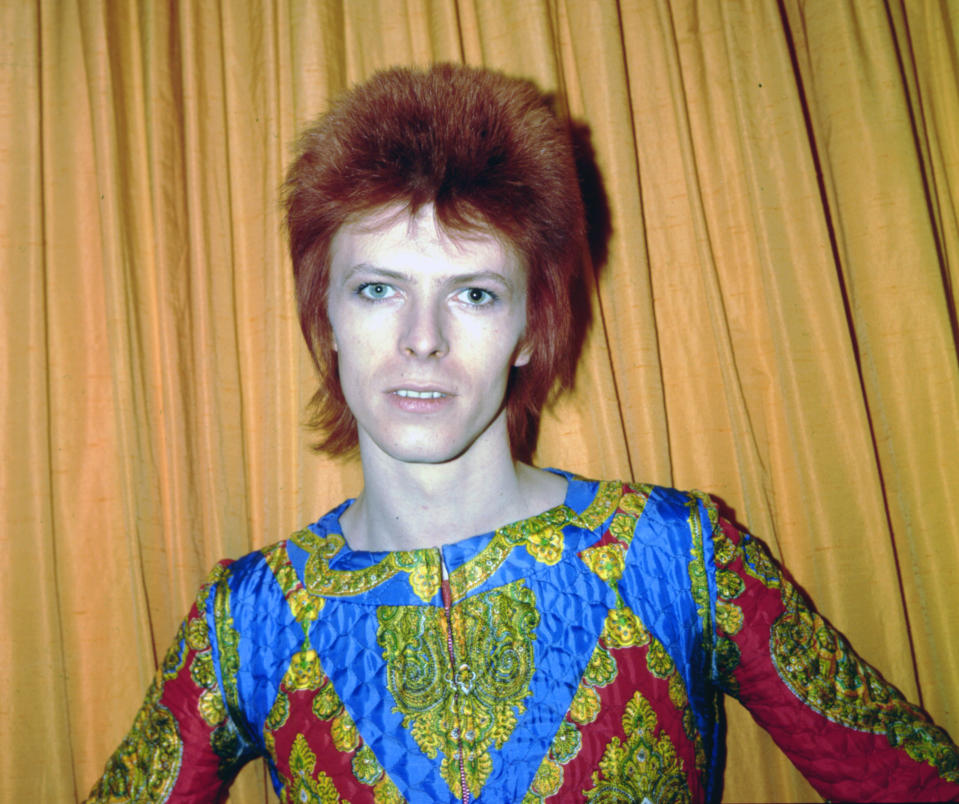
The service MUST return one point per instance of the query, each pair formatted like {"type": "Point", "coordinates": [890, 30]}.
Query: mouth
{"type": "Point", "coordinates": [409, 393]}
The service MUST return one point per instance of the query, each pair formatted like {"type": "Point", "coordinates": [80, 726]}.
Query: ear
{"type": "Point", "coordinates": [523, 355]}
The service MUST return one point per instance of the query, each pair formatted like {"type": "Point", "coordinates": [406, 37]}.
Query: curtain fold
{"type": "Point", "coordinates": [774, 313]}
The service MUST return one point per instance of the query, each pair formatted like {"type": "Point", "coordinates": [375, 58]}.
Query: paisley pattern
{"type": "Point", "coordinates": [462, 710]}
{"type": "Point", "coordinates": [817, 663]}
{"type": "Point", "coordinates": [643, 766]}
{"type": "Point", "coordinates": [308, 788]}
{"type": "Point", "coordinates": [145, 766]}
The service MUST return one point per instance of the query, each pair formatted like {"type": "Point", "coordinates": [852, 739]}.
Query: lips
{"type": "Point", "coordinates": [420, 400]}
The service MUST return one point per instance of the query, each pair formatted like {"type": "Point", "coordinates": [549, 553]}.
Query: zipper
{"type": "Point", "coordinates": [448, 608]}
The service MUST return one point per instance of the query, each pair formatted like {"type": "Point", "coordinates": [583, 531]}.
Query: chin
{"type": "Point", "coordinates": [431, 452]}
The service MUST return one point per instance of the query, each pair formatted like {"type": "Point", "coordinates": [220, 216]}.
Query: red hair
{"type": "Point", "coordinates": [489, 153]}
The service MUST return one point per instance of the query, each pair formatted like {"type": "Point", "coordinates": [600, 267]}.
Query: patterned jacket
{"type": "Point", "coordinates": [579, 655]}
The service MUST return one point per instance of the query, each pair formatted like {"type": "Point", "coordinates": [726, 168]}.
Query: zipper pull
{"type": "Point", "coordinates": [445, 583]}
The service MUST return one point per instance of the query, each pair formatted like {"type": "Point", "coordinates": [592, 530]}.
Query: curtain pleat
{"type": "Point", "coordinates": [773, 313]}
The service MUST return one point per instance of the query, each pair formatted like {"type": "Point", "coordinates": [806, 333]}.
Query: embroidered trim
{"type": "Point", "coordinates": [821, 669]}
{"type": "Point", "coordinates": [475, 704]}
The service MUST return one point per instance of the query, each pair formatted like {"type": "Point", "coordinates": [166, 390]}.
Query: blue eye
{"type": "Point", "coordinates": [477, 297]}
{"type": "Point", "coordinates": [375, 291]}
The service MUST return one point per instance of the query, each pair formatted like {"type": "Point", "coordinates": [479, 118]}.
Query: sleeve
{"type": "Point", "coordinates": [850, 733]}
{"type": "Point", "coordinates": [184, 745]}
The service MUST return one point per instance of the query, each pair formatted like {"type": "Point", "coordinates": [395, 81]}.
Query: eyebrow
{"type": "Point", "coordinates": [478, 276]}
{"type": "Point", "coordinates": [365, 267]}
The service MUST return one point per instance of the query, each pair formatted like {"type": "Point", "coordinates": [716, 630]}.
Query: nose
{"type": "Point", "coordinates": [423, 333]}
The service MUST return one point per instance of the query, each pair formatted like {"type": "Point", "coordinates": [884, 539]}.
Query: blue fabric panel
{"type": "Point", "coordinates": [572, 604]}
{"type": "Point", "coordinates": [655, 582]}
{"type": "Point", "coordinates": [657, 586]}
{"type": "Point", "coordinates": [345, 639]}
{"type": "Point", "coordinates": [298, 557]}
{"type": "Point", "coordinates": [268, 636]}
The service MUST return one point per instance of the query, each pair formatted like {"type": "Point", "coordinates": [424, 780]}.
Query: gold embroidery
{"type": "Point", "coordinates": [585, 705]}
{"type": "Point", "coordinates": [818, 665]}
{"type": "Point", "coordinates": [608, 561]}
{"type": "Point", "coordinates": [643, 766]}
{"type": "Point", "coordinates": [421, 566]}
{"type": "Point", "coordinates": [658, 661]}
{"type": "Point", "coordinates": [304, 606]}
{"type": "Point", "coordinates": [546, 782]}
{"type": "Point", "coordinates": [475, 704]}
{"type": "Point", "coordinates": [623, 629]}
{"type": "Point", "coordinates": [729, 617]}
{"type": "Point", "coordinates": [344, 733]}
{"type": "Point", "coordinates": [146, 765]}
{"type": "Point", "coordinates": [542, 536]}
{"type": "Point", "coordinates": [306, 789]}
{"type": "Point", "coordinates": [304, 672]}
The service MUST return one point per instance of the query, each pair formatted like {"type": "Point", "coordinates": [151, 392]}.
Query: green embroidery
{"type": "Point", "coordinates": [343, 730]}
{"type": "Point", "coordinates": [175, 659]}
{"type": "Point", "coordinates": [305, 607]}
{"type": "Point", "coordinates": [279, 712]}
{"type": "Point", "coordinates": [821, 669]}
{"type": "Point", "coordinates": [567, 743]}
{"type": "Point", "coordinates": [228, 640]}
{"type": "Point", "coordinates": [476, 703]}
{"type": "Point", "coordinates": [197, 635]}
{"type": "Point", "coordinates": [546, 782]}
{"type": "Point", "coordinates": [728, 584]}
{"type": "Point", "coordinates": [608, 498]}
{"type": "Point", "coordinates": [201, 670]}
{"type": "Point", "coordinates": [542, 536]}
{"type": "Point", "coordinates": [723, 548]}
{"type": "Point", "coordinates": [146, 765]}
{"type": "Point", "coordinates": [421, 566]}
{"type": "Point", "coordinates": [366, 768]}
{"type": "Point", "coordinates": [758, 564]}
{"type": "Point", "coordinates": [643, 766]}
{"type": "Point", "coordinates": [623, 629]}
{"type": "Point", "coordinates": [585, 705]}
{"type": "Point", "coordinates": [326, 703]}
{"type": "Point", "coordinates": [659, 663]}
{"type": "Point", "coordinates": [304, 671]}
{"type": "Point", "coordinates": [601, 669]}
{"type": "Point", "coordinates": [699, 584]}
{"type": "Point", "coordinates": [306, 789]}
{"type": "Point", "coordinates": [729, 617]}
{"type": "Point", "coordinates": [606, 560]}
{"type": "Point", "coordinates": [634, 500]}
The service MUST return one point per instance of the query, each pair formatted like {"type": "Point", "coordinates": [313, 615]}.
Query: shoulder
{"type": "Point", "coordinates": [627, 505]}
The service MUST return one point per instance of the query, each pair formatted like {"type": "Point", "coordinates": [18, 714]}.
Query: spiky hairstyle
{"type": "Point", "coordinates": [489, 153]}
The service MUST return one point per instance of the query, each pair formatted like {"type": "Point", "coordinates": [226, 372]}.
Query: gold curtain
{"type": "Point", "coordinates": [775, 322]}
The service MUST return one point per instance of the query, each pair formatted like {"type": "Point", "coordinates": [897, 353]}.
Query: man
{"type": "Point", "coordinates": [472, 627]}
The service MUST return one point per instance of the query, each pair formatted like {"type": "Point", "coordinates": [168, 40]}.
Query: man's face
{"type": "Point", "coordinates": [426, 327]}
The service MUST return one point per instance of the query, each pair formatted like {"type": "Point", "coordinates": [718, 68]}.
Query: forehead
{"type": "Point", "coordinates": [393, 239]}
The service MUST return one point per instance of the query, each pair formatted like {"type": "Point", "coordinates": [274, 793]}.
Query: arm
{"type": "Point", "coordinates": [851, 734]}
{"type": "Point", "coordinates": [184, 746]}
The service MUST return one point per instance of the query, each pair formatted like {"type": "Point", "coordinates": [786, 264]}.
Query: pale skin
{"type": "Point", "coordinates": [426, 327]}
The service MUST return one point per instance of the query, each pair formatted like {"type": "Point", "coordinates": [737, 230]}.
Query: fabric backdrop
{"type": "Point", "coordinates": [774, 321]}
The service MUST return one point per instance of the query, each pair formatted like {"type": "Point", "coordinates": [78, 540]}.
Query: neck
{"type": "Point", "coordinates": [407, 506]}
